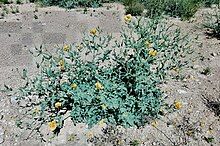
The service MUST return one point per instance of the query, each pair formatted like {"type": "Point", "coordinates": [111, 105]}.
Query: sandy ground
{"type": "Point", "coordinates": [195, 124]}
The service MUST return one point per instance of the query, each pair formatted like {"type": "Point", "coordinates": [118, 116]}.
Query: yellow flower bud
{"type": "Point", "coordinates": [66, 48]}
{"type": "Point", "coordinates": [99, 86]}
{"type": "Point", "coordinates": [74, 85]}
{"type": "Point", "coordinates": [103, 106]}
{"type": "Point", "coordinates": [61, 62]}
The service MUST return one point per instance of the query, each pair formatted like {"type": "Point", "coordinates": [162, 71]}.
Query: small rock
{"type": "Point", "coordinates": [1, 116]}
{"type": "Point", "coordinates": [213, 54]}
{"type": "Point", "coordinates": [14, 100]}
{"type": "Point", "coordinates": [1, 135]}
{"type": "Point", "coordinates": [181, 91]}
{"type": "Point", "coordinates": [196, 66]}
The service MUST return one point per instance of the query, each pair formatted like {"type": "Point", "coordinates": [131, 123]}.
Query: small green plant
{"type": "Point", "coordinates": [2, 15]}
{"type": "Point", "coordinates": [135, 143]}
{"type": "Point", "coordinates": [209, 3]}
{"type": "Point", "coordinates": [5, 10]}
{"type": "Point", "coordinates": [184, 9]}
{"type": "Point", "coordinates": [213, 22]}
{"type": "Point", "coordinates": [134, 7]}
{"type": "Point", "coordinates": [206, 71]}
{"type": "Point", "coordinates": [118, 85]}
{"type": "Point", "coordinates": [72, 3]}
{"type": "Point", "coordinates": [154, 8]}
{"type": "Point", "coordinates": [4, 2]}
{"type": "Point", "coordinates": [110, 134]}
{"type": "Point", "coordinates": [14, 9]}
{"type": "Point", "coordinates": [18, 2]}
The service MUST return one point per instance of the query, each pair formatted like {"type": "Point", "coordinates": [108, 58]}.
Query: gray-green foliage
{"type": "Point", "coordinates": [4, 2]}
{"type": "Point", "coordinates": [72, 3]}
{"type": "Point", "coordinates": [213, 22]}
{"type": "Point", "coordinates": [128, 72]}
{"type": "Point", "coordinates": [133, 7]}
{"type": "Point", "coordinates": [208, 3]}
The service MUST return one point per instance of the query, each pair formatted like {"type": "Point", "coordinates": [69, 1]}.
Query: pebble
{"type": "Point", "coordinates": [213, 54]}
{"type": "Point", "coordinates": [14, 100]}
{"type": "Point", "coordinates": [181, 91]}
{"type": "Point", "coordinates": [1, 135]}
{"type": "Point", "coordinates": [196, 66]}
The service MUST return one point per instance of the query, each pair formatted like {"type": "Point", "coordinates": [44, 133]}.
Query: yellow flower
{"type": "Point", "coordinates": [36, 110]}
{"type": "Point", "coordinates": [52, 125]}
{"type": "Point", "coordinates": [58, 104]}
{"type": "Point", "coordinates": [127, 18]}
{"type": "Point", "coordinates": [74, 85]}
{"type": "Point", "coordinates": [153, 52]}
{"type": "Point", "coordinates": [154, 123]}
{"type": "Point", "coordinates": [93, 31]}
{"type": "Point", "coordinates": [120, 142]}
{"type": "Point", "coordinates": [103, 106]}
{"type": "Point", "coordinates": [66, 48]}
{"type": "Point", "coordinates": [148, 44]}
{"type": "Point", "coordinates": [99, 86]}
{"type": "Point", "coordinates": [101, 123]}
{"type": "Point", "coordinates": [90, 134]}
{"type": "Point", "coordinates": [178, 105]}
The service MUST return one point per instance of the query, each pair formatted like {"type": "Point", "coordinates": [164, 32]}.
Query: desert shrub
{"type": "Point", "coordinates": [4, 2]}
{"type": "Point", "coordinates": [184, 9]}
{"type": "Point", "coordinates": [118, 85]}
{"type": "Point", "coordinates": [212, 22]}
{"type": "Point", "coordinates": [154, 7]}
{"type": "Point", "coordinates": [208, 3]}
{"type": "Point", "coordinates": [72, 3]}
{"type": "Point", "coordinates": [133, 7]}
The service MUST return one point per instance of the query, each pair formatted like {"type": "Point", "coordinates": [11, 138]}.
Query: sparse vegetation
{"type": "Point", "coordinates": [124, 83]}
{"type": "Point", "coordinates": [212, 22]}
